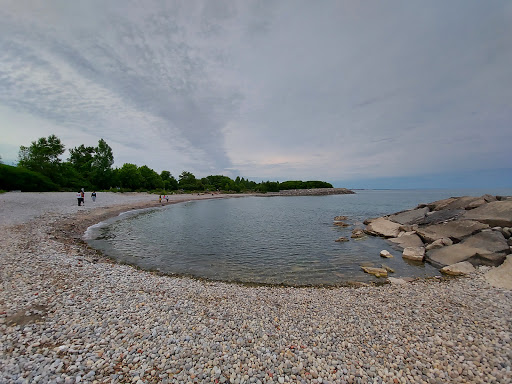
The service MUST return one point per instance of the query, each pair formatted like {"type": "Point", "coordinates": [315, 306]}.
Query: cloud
{"type": "Point", "coordinates": [278, 90]}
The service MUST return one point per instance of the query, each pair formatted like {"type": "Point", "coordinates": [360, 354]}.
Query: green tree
{"type": "Point", "coordinates": [170, 182]}
{"type": "Point", "coordinates": [43, 156]}
{"type": "Point", "coordinates": [152, 180]}
{"type": "Point", "coordinates": [102, 165]}
{"type": "Point", "coordinates": [188, 182]}
{"type": "Point", "coordinates": [130, 177]}
{"type": "Point", "coordinates": [81, 158]}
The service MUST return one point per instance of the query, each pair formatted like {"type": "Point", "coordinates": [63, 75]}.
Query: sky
{"type": "Point", "coordinates": [357, 93]}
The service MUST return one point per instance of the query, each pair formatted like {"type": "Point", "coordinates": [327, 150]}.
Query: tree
{"type": "Point", "coordinates": [42, 156]}
{"type": "Point", "coordinates": [188, 182]}
{"type": "Point", "coordinates": [170, 182]}
{"type": "Point", "coordinates": [81, 158]}
{"type": "Point", "coordinates": [130, 177]}
{"type": "Point", "coordinates": [151, 179]}
{"type": "Point", "coordinates": [102, 165]}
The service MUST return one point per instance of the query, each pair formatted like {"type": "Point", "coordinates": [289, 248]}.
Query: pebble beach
{"type": "Point", "coordinates": [69, 315]}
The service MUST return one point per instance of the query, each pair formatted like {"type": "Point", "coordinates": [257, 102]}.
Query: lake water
{"type": "Point", "coordinates": [266, 240]}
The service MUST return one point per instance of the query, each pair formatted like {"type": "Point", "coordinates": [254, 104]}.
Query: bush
{"type": "Point", "coordinates": [17, 178]}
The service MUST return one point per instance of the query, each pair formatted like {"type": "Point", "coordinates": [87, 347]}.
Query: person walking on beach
{"type": "Point", "coordinates": [93, 196]}
{"type": "Point", "coordinates": [79, 198]}
{"type": "Point", "coordinates": [82, 195]}
{"type": "Point", "coordinates": [159, 198]}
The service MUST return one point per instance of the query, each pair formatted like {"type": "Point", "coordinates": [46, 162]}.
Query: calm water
{"type": "Point", "coordinates": [271, 240]}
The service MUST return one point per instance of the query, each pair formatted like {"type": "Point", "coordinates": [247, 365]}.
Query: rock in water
{"type": "Point", "coordinates": [383, 227]}
{"type": "Point", "coordinates": [407, 240]}
{"type": "Point", "coordinates": [377, 272]}
{"type": "Point", "coordinates": [414, 253]}
{"type": "Point", "coordinates": [385, 254]}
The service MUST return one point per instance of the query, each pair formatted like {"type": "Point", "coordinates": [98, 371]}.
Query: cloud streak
{"type": "Point", "coordinates": [278, 90]}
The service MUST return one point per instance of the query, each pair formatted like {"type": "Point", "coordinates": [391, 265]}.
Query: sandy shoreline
{"type": "Point", "coordinates": [64, 319]}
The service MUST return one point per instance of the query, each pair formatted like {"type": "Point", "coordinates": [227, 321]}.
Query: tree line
{"type": "Point", "coordinates": [40, 168]}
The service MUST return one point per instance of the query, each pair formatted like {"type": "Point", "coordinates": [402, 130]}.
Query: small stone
{"type": "Point", "coordinates": [385, 254]}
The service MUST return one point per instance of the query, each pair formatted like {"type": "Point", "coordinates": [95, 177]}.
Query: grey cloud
{"type": "Point", "coordinates": [264, 86]}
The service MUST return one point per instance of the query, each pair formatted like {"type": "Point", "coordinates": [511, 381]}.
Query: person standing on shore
{"type": "Point", "coordinates": [93, 196]}
{"type": "Point", "coordinates": [82, 195]}
{"type": "Point", "coordinates": [79, 198]}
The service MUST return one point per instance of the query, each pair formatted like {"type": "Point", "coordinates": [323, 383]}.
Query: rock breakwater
{"type": "Point", "coordinates": [447, 232]}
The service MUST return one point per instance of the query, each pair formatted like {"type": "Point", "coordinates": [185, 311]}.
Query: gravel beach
{"type": "Point", "coordinates": [67, 315]}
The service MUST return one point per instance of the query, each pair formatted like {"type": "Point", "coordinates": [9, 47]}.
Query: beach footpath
{"type": "Point", "coordinates": [69, 315]}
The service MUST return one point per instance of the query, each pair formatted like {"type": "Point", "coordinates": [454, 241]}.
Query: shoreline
{"type": "Point", "coordinates": [63, 319]}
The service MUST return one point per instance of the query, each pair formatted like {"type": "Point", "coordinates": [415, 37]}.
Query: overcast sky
{"type": "Point", "coordinates": [332, 90]}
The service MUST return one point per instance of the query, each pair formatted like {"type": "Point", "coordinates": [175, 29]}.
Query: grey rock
{"type": "Point", "coordinates": [501, 276]}
{"type": "Point", "coordinates": [436, 217]}
{"type": "Point", "coordinates": [458, 269]}
{"type": "Point", "coordinates": [409, 217]}
{"type": "Point", "coordinates": [411, 240]}
{"type": "Point", "coordinates": [439, 243]}
{"type": "Point", "coordinates": [357, 233]}
{"type": "Point", "coordinates": [487, 248]}
{"type": "Point", "coordinates": [414, 253]}
{"type": "Point", "coordinates": [454, 230]}
{"type": "Point", "coordinates": [489, 241]}
{"type": "Point", "coordinates": [383, 227]}
{"type": "Point", "coordinates": [465, 202]}
{"type": "Point", "coordinates": [497, 213]}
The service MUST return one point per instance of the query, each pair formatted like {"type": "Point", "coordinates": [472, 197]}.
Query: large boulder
{"type": "Point", "coordinates": [463, 268]}
{"type": "Point", "coordinates": [383, 227]}
{"type": "Point", "coordinates": [414, 253]}
{"type": "Point", "coordinates": [409, 240]}
{"type": "Point", "coordinates": [491, 241]}
{"type": "Point", "coordinates": [464, 202]}
{"type": "Point", "coordinates": [440, 204]}
{"type": "Point", "coordinates": [488, 248]}
{"type": "Point", "coordinates": [451, 254]}
{"type": "Point", "coordinates": [409, 217]}
{"type": "Point", "coordinates": [501, 276]}
{"type": "Point", "coordinates": [436, 217]}
{"type": "Point", "coordinates": [456, 230]}
{"type": "Point", "coordinates": [497, 213]}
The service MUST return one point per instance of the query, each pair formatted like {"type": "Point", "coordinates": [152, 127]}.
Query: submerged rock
{"type": "Point", "coordinates": [357, 233]}
{"type": "Point", "coordinates": [377, 272]}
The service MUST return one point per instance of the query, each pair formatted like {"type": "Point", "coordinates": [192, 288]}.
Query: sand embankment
{"type": "Point", "coordinates": [64, 319]}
